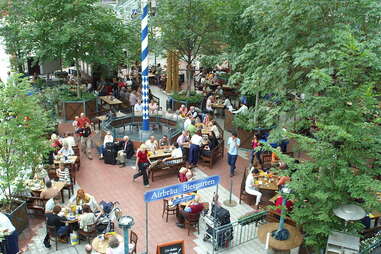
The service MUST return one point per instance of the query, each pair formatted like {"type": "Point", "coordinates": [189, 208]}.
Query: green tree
{"type": "Point", "coordinates": [189, 28]}
{"type": "Point", "coordinates": [23, 142]}
{"type": "Point", "coordinates": [318, 63]}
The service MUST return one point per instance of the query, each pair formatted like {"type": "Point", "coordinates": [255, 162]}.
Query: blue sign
{"type": "Point", "coordinates": [182, 188]}
{"type": "Point", "coordinates": [182, 199]}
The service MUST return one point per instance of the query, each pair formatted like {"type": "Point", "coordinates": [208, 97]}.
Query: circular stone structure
{"type": "Point", "coordinates": [130, 125]}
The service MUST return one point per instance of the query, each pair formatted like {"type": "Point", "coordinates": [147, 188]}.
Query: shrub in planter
{"type": "Point", "coordinates": [23, 143]}
{"type": "Point", "coordinates": [192, 98]}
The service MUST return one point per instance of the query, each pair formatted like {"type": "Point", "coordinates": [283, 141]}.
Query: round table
{"type": "Point", "coordinates": [294, 240]}
{"type": "Point", "coordinates": [100, 245]}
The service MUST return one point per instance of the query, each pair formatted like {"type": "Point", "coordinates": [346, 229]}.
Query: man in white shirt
{"type": "Point", "coordinates": [69, 139]}
{"type": "Point", "coordinates": [242, 109]}
{"type": "Point", "coordinates": [152, 143]}
{"type": "Point", "coordinates": [138, 108]}
{"type": "Point", "coordinates": [215, 129]}
{"type": "Point", "coordinates": [11, 236]}
{"type": "Point", "coordinates": [209, 103]}
{"type": "Point", "coordinates": [187, 122]}
{"type": "Point", "coordinates": [51, 203]}
{"type": "Point", "coordinates": [228, 104]}
{"type": "Point", "coordinates": [233, 144]}
{"type": "Point", "coordinates": [194, 149]}
{"type": "Point", "coordinates": [133, 98]}
{"type": "Point", "coordinates": [183, 138]}
{"type": "Point", "coordinates": [250, 187]}
{"type": "Point", "coordinates": [176, 153]}
{"type": "Point", "coordinates": [107, 139]}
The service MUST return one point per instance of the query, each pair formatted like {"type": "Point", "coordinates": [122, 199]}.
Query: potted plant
{"type": "Point", "coordinates": [23, 143]}
{"type": "Point", "coordinates": [193, 99]}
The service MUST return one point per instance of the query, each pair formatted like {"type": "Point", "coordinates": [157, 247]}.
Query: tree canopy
{"type": "Point", "coordinates": [318, 63]}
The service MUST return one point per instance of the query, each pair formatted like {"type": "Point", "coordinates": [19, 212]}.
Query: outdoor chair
{"type": "Point", "coordinates": [90, 234]}
{"type": "Point", "coordinates": [133, 242]}
{"type": "Point", "coordinates": [168, 210]}
{"type": "Point", "coordinates": [243, 194]}
{"type": "Point", "coordinates": [192, 220]}
{"type": "Point", "coordinates": [52, 233]}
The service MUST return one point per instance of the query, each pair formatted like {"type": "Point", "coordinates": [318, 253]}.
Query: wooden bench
{"type": "Point", "coordinates": [216, 154]}
{"type": "Point", "coordinates": [35, 203]}
{"type": "Point", "coordinates": [169, 166]}
{"type": "Point", "coordinates": [273, 216]}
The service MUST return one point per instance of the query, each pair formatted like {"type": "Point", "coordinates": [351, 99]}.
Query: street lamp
{"type": "Point", "coordinates": [282, 233]}
{"type": "Point", "coordinates": [125, 223]}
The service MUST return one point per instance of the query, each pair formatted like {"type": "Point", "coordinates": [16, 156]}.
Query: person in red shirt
{"type": "Point", "coordinates": [142, 163]}
{"type": "Point", "coordinates": [81, 122]}
{"type": "Point", "coordinates": [194, 207]}
{"type": "Point", "coordinates": [278, 203]}
{"type": "Point", "coordinates": [254, 144]}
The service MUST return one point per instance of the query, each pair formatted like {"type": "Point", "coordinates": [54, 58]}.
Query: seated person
{"type": "Point", "coordinates": [191, 128]}
{"type": "Point", "coordinates": [56, 143]}
{"type": "Point", "coordinates": [63, 174]}
{"type": "Point", "coordinates": [176, 153]}
{"type": "Point", "coordinates": [278, 203]}
{"type": "Point", "coordinates": [215, 129]}
{"type": "Point", "coordinates": [153, 107]}
{"type": "Point", "coordinates": [194, 207]}
{"type": "Point", "coordinates": [182, 175]}
{"type": "Point", "coordinates": [209, 145]}
{"type": "Point", "coordinates": [115, 247]}
{"type": "Point", "coordinates": [206, 120]}
{"type": "Point", "coordinates": [183, 139]}
{"type": "Point", "coordinates": [66, 150]}
{"type": "Point", "coordinates": [107, 139]}
{"type": "Point", "coordinates": [187, 122]}
{"type": "Point", "coordinates": [69, 139]}
{"type": "Point", "coordinates": [189, 175]}
{"type": "Point", "coordinates": [219, 91]}
{"type": "Point", "coordinates": [274, 158]}
{"type": "Point", "coordinates": [138, 108]}
{"type": "Point", "coordinates": [152, 144]}
{"type": "Point", "coordinates": [242, 109]}
{"type": "Point", "coordinates": [192, 112]}
{"type": "Point", "coordinates": [82, 198]}
{"type": "Point", "coordinates": [49, 192]}
{"type": "Point", "coordinates": [250, 187]}
{"type": "Point", "coordinates": [164, 142]}
{"type": "Point", "coordinates": [126, 152]}
{"type": "Point", "coordinates": [86, 218]}
{"type": "Point", "coordinates": [51, 203]}
{"type": "Point", "coordinates": [209, 103]}
{"type": "Point", "coordinates": [58, 222]}
{"type": "Point", "coordinates": [183, 111]}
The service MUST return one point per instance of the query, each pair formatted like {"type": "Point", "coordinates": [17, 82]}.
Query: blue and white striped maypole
{"type": "Point", "coordinates": [144, 56]}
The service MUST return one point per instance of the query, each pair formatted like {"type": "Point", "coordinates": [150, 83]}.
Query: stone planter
{"type": "Point", "coordinates": [245, 137]}
{"type": "Point", "coordinates": [19, 217]}
{"type": "Point", "coordinates": [228, 121]}
{"type": "Point", "coordinates": [70, 109]}
{"type": "Point", "coordinates": [176, 104]}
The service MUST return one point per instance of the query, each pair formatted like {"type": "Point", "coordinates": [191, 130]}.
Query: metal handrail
{"type": "Point", "coordinates": [371, 248]}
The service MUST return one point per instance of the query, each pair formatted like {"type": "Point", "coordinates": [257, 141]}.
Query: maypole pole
{"type": "Point", "coordinates": [144, 58]}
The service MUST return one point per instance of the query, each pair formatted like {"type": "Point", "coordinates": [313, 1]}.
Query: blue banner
{"type": "Point", "coordinates": [182, 188]}
{"type": "Point", "coordinates": [179, 200]}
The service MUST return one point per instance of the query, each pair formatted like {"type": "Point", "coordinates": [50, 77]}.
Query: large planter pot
{"type": "Point", "coordinates": [70, 109]}
{"type": "Point", "coordinates": [19, 217]}
{"type": "Point", "coordinates": [176, 104]}
{"type": "Point", "coordinates": [245, 137]}
{"type": "Point", "coordinates": [228, 121]}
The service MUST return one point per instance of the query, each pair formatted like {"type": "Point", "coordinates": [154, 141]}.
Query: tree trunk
{"type": "Point", "coordinates": [189, 77]}
{"type": "Point", "coordinates": [78, 77]}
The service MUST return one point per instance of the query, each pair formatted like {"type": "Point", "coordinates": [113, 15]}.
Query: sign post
{"type": "Point", "coordinates": [178, 190]}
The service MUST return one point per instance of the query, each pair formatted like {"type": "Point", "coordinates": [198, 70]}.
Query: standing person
{"type": "Point", "coordinates": [11, 236]}
{"type": "Point", "coordinates": [254, 144]}
{"type": "Point", "coordinates": [75, 126]}
{"type": "Point", "coordinates": [142, 163]}
{"type": "Point", "coordinates": [194, 149]}
{"type": "Point", "coordinates": [233, 144]}
{"type": "Point", "coordinates": [82, 121]}
{"type": "Point", "coordinates": [86, 140]}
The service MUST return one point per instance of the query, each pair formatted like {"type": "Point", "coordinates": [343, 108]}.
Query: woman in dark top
{"type": "Point", "coordinates": [142, 163]}
{"type": "Point", "coordinates": [59, 222]}
{"type": "Point", "coordinates": [212, 143]}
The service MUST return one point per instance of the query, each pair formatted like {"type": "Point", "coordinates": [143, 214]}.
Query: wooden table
{"type": "Point", "coordinates": [100, 245]}
{"type": "Point", "coordinates": [58, 186]}
{"type": "Point", "coordinates": [266, 182]}
{"type": "Point", "coordinates": [110, 100]}
{"type": "Point", "coordinates": [70, 160]}
{"type": "Point", "coordinates": [160, 154]}
{"type": "Point", "coordinates": [294, 240]}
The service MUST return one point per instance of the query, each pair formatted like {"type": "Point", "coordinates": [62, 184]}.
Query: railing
{"type": "Point", "coordinates": [237, 233]}
{"type": "Point", "coordinates": [372, 248]}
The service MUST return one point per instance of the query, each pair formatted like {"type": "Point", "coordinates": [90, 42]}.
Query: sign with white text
{"type": "Point", "coordinates": [182, 188]}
